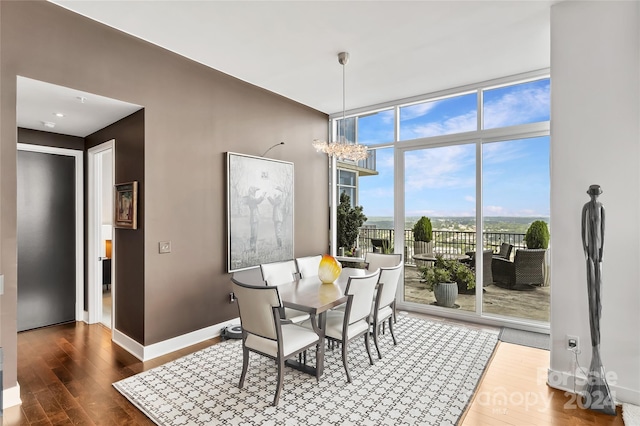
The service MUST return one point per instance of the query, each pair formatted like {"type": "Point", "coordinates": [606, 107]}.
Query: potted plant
{"type": "Point", "coordinates": [350, 219]}
{"type": "Point", "coordinates": [537, 236]}
{"type": "Point", "coordinates": [447, 278]}
{"type": "Point", "coordinates": [422, 236]}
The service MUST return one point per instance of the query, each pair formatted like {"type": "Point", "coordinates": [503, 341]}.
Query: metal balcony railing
{"type": "Point", "coordinates": [455, 242]}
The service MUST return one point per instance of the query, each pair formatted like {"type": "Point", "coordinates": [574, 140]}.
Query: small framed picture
{"type": "Point", "coordinates": [126, 205]}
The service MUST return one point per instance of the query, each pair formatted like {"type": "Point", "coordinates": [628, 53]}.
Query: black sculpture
{"type": "Point", "coordinates": [598, 395]}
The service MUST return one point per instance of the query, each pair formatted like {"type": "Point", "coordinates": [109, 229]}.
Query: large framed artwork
{"type": "Point", "coordinates": [259, 211]}
{"type": "Point", "coordinates": [126, 205]}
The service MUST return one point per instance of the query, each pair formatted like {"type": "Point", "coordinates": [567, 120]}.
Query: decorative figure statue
{"type": "Point", "coordinates": [254, 216]}
{"type": "Point", "coordinates": [278, 214]}
{"type": "Point", "coordinates": [598, 395]}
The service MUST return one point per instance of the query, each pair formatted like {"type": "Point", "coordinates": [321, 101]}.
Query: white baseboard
{"type": "Point", "coordinates": [564, 381]}
{"type": "Point", "coordinates": [11, 397]}
{"type": "Point", "coordinates": [145, 353]}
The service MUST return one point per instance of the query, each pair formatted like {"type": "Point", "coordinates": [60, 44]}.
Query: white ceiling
{"type": "Point", "coordinates": [84, 113]}
{"type": "Point", "coordinates": [398, 49]}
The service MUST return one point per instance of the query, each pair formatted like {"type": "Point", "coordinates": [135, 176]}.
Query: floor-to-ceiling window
{"type": "Point", "coordinates": [475, 162]}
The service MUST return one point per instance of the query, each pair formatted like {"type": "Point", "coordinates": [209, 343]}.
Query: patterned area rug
{"type": "Point", "coordinates": [631, 414]}
{"type": "Point", "coordinates": [427, 379]}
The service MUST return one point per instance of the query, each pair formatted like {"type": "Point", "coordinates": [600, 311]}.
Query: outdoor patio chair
{"type": "Point", "coordinates": [487, 272]}
{"type": "Point", "coordinates": [524, 273]}
{"type": "Point", "coordinates": [264, 333]}
{"type": "Point", "coordinates": [505, 251]}
{"type": "Point", "coordinates": [379, 244]}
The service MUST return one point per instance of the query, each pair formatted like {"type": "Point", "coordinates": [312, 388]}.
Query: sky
{"type": "Point", "coordinates": [442, 181]}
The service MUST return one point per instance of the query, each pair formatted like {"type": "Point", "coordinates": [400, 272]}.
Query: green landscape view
{"type": "Point", "coordinates": [514, 225]}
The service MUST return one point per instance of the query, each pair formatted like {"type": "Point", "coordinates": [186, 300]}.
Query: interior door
{"type": "Point", "coordinates": [46, 239]}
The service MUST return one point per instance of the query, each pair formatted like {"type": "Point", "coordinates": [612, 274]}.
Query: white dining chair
{"type": "Point", "coordinates": [385, 300]}
{"type": "Point", "coordinates": [375, 261]}
{"type": "Point", "coordinates": [278, 273]}
{"type": "Point", "coordinates": [308, 265]}
{"type": "Point", "coordinates": [265, 333]}
{"type": "Point", "coordinates": [353, 322]}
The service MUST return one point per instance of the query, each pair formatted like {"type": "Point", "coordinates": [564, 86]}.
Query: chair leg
{"type": "Point", "coordinates": [394, 311]}
{"type": "Point", "coordinates": [391, 331]}
{"type": "Point", "coordinates": [280, 374]}
{"type": "Point", "coordinates": [368, 346]}
{"type": "Point", "coordinates": [245, 365]}
{"type": "Point", "coordinates": [317, 360]}
{"type": "Point", "coordinates": [344, 360]}
{"type": "Point", "coordinates": [376, 331]}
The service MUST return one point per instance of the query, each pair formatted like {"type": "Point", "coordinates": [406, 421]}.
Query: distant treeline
{"type": "Point", "coordinates": [515, 224]}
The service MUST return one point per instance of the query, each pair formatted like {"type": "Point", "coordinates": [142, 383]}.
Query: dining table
{"type": "Point", "coordinates": [311, 295]}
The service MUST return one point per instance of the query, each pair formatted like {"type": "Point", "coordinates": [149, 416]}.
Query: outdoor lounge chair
{"type": "Point", "coordinates": [505, 251]}
{"type": "Point", "coordinates": [487, 272]}
{"type": "Point", "coordinates": [524, 273]}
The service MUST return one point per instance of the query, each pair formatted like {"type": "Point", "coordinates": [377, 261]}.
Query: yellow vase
{"type": "Point", "coordinates": [329, 269]}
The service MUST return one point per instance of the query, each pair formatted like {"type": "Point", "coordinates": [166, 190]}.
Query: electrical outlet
{"type": "Point", "coordinates": [232, 297]}
{"type": "Point", "coordinates": [573, 343]}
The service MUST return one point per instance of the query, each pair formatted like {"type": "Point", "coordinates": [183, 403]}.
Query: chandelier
{"type": "Point", "coordinates": [342, 149]}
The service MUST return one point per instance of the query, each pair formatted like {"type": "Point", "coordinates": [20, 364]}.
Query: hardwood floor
{"type": "Point", "coordinates": [66, 374]}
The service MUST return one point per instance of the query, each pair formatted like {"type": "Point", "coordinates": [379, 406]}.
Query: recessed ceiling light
{"type": "Point", "coordinates": [82, 99]}
{"type": "Point", "coordinates": [49, 124]}
{"type": "Point", "coordinates": [58, 114]}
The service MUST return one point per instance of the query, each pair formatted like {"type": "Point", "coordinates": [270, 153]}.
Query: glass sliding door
{"type": "Point", "coordinates": [516, 192]}
{"type": "Point", "coordinates": [440, 185]}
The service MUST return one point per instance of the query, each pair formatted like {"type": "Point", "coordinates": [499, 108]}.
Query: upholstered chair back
{"type": "Point", "coordinates": [256, 309]}
{"type": "Point", "coordinates": [308, 265]}
{"type": "Point", "coordinates": [362, 288]}
{"type": "Point", "coordinates": [277, 273]}
{"type": "Point", "coordinates": [375, 261]}
{"type": "Point", "coordinates": [389, 277]}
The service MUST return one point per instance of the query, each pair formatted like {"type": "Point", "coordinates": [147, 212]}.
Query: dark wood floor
{"type": "Point", "coordinates": [66, 374]}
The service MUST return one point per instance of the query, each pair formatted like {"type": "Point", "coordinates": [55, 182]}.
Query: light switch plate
{"type": "Point", "coordinates": [1, 284]}
{"type": "Point", "coordinates": [164, 247]}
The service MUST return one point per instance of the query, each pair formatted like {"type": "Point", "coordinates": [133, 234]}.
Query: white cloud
{"type": "Point", "coordinates": [418, 110]}
{"type": "Point", "coordinates": [523, 105]}
{"type": "Point", "coordinates": [445, 167]}
{"type": "Point", "coordinates": [470, 198]}
{"type": "Point", "coordinates": [460, 123]}
{"type": "Point", "coordinates": [493, 211]}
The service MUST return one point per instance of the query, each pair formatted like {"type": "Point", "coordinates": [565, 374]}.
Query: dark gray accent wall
{"type": "Point", "coordinates": [129, 254]}
{"type": "Point", "coordinates": [193, 115]}
{"type": "Point", "coordinates": [55, 140]}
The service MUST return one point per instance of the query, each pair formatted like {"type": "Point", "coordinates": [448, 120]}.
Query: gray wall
{"type": "Point", "coordinates": [192, 116]}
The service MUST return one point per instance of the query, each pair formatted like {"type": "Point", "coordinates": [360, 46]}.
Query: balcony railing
{"type": "Point", "coordinates": [457, 242]}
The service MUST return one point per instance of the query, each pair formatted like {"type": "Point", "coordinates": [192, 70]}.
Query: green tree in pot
{"type": "Point", "coordinates": [537, 237]}
{"type": "Point", "coordinates": [422, 236]}
{"type": "Point", "coordinates": [350, 219]}
{"type": "Point", "coordinates": [447, 278]}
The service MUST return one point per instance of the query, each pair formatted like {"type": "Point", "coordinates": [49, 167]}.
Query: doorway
{"type": "Point", "coordinates": [101, 285]}
{"type": "Point", "coordinates": [50, 236]}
